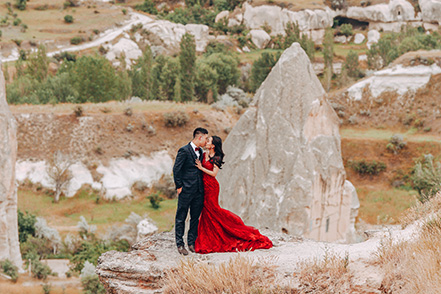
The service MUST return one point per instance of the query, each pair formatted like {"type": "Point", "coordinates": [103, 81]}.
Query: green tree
{"type": "Point", "coordinates": [328, 56]}
{"type": "Point", "coordinates": [351, 65]}
{"type": "Point", "coordinates": [206, 82]}
{"type": "Point", "coordinates": [68, 18]}
{"type": "Point", "coordinates": [261, 68]}
{"type": "Point", "coordinates": [164, 75]}
{"type": "Point", "coordinates": [38, 64]}
{"type": "Point", "coordinates": [141, 75]}
{"type": "Point", "coordinates": [26, 225]}
{"type": "Point", "coordinates": [226, 67]}
{"type": "Point", "coordinates": [21, 4]}
{"type": "Point", "coordinates": [147, 6]}
{"type": "Point", "coordinates": [187, 61]}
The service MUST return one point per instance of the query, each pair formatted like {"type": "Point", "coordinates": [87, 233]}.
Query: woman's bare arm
{"type": "Point", "coordinates": [212, 173]}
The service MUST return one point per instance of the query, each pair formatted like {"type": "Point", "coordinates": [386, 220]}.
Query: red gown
{"type": "Point", "coordinates": [221, 230]}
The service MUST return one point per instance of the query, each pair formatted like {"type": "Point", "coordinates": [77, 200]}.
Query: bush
{"type": "Point", "coordinates": [76, 40]}
{"type": "Point", "coordinates": [9, 269]}
{"type": "Point", "coordinates": [352, 66]}
{"type": "Point", "coordinates": [26, 225]}
{"type": "Point", "coordinates": [68, 18]}
{"type": "Point", "coordinates": [175, 119]}
{"type": "Point", "coordinates": [92, 285]}
{"type": "Point", "coordinates": [261, 68]}
{"type": "Point", "coordinates": [40, 270]}
{"type": "Point", "coordinates": [155, 199]}
{"type": "Point", "coordinates": [363, 167]}
{"type": "Point", "coordinates": [16, 22]}
{"type": "Point", "coordinates": [148, 6]}
{"type": "Point", "coordinates": [20, 4]}
{"type": "Point", "coordinates": [346, 29]}
{"type": "Point", "coordinates": [426, 177]}
{"type": "Point", "coordinates": [396, 143]}
{"type": "Point", "coordinates": [78, 111]}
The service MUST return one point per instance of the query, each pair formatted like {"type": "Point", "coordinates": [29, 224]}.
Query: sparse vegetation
{"type": "Point", "coordinates": [426, 177]}
{"type": "Point", "coordinates": [9, 269]}
{"type": "Point", "coordinates": [155, 200]}
{"type": "Point", "coordinates": [68, 18]}
{"type": "Point", "coordinates": [175, 119]}
{"type": "Point", "coordinates": [58, 170]}
{"type": "Point", "coordinates": [364, 167]}
{"type": "Point", "coordinates": [396, 143]}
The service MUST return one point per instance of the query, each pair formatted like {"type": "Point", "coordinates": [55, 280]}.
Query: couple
{"type": "Point", "coordinates": [212, 229]}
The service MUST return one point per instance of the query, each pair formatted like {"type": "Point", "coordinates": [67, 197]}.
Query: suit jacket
{"type": "Point", "coordinates": [185, 173]}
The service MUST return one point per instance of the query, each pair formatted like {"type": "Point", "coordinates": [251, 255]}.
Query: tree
{"type": "Point", "coordinates": [351, 65]}
{"type": "Point", "coordinates": [187, 62]}
{"type": "Point", "coordinates": [38, 64]}
{"type": "Point", "coordinates": [164, 76]}
{"type": "Point", "coordinates": [226, 67]}
{"type": "Point", "coordinates": [20, 4]}
{"type": "Point", "coordinates": [58, 170]}
{"type": "Point", "coordinates": [261, 68]}
{"type": "Point", "coordinates": [328, 56]}
{"type": "Point", "coordinates": [141, 75]}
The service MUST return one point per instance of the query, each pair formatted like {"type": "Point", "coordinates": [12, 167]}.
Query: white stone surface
{"type": "Point", "coordinates": [145, 228]}
{"type": "Point", "coordinates": [398, 79]}
{"type": "Point", "coordinates": [373, 38]}
{"type": "Point", "coordinates": [277, 18]}
{"type": "Point", "coordinates": [260, 38]}
{"type": "Point", "coordinates": [340, 39]}
{"type": "Point", "coordinates": [9, 246]}
{"type": "Point", "coordinates": [200, 32]}
{"type": "Point", "coordinates": [359, 38]}
{"type": "Point", "coordinates": [124, 46]}
{"type": "Point", "coordinates": [221, 15]}
{"type": "Point", "coordinates": [118, 176]}
{"type": "Point", "coordinates": [430, 10]}
{"type": "Point", "coordinates": [394, 11]}
{"type": "Point", "coordinates": [283, 167]}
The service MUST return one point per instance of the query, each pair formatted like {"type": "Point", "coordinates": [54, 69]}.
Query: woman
{"type": "Point", "coordinates": [219, 229]}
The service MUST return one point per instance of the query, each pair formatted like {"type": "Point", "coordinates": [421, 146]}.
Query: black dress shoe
{"type": "Point", "coordinates": [191, 248]}
{"type": "Point", "coordinates": [182, 250]}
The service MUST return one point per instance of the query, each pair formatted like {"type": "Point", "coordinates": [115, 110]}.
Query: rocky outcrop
{"type": "Point", "coordinates": [283, 165]}
{"type": "Point", "coordinates": [125, 47]}
{"type": "Point", "coordinates": [260, 38]}
{"type": "Point", "coordinates": [398, 79]}
{"type": "Point", "coordinates": [373, 38]}
{"type": "Point", "coordinates": [9, 246]}
{"type": "Point", "coordinates": [394, 11]}
{"type": "Point", "coordinates": [430, 11]}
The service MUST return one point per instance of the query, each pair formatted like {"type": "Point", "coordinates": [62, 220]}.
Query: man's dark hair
{"type": "Point", "coordinates": [199, 131]}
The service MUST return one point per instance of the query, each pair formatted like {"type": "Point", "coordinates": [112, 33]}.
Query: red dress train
{"type": "Point", "coordinates": [220, 230]}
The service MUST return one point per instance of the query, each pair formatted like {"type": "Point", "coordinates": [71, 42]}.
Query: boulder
{"type": "Point", "coordinates": [9, 246]}
{"type": "Point", "coordinates": [430, 11]}
{"type": "Point", "coordinates": [126, 47]}
{"type": "Point", "coordinates": [221, 15]}
{"type": "Point", "coordinates": [283, 168]}
{"type": "Point", "coordinates": [394, 11]}
{"type": "Point", "coordinates": [277, 18]}
{"type": "Point", "coordinates": [340, 39]}
{"type": "Point", "coordinates": [200, 33]}
{"type": "Point", "coordinates": [373, 38]}
{"type": "Point", "coordinates": [359, 38]}
{"type": "Point", "coordinates": [260, 38]}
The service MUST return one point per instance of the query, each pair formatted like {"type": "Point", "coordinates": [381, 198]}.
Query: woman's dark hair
{"type": "Point", "coordinates": [218, 157]}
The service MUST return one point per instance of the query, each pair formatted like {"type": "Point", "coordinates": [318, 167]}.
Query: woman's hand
{"type": "Point", "coordinates": [198, 164]}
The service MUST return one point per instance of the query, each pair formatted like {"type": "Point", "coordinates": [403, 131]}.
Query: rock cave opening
{"type": "Point", "coordinates": [356, 24]}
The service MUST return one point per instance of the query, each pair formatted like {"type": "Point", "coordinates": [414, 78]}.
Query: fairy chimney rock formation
{"type": "Point", "coordinates": [284, 169]}
{"type": "Point", "coordinates": [9, 246]}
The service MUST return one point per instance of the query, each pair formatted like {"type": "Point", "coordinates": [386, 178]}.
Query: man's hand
{"type": "Point", "coordinates": [179, 190]}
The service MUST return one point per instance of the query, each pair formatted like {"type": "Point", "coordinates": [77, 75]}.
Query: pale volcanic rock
{"type": "Point", "coordinates": [9, 246]}
{"type": "Point", "coordinates": [260, 38]}
{"type": "Point", "coordinates": [373, 38]}
{"type": "Point", "coordinates": [125, 47]}
{"type": "Point", "coordinates": [283, 168]}
{"type": "Point", "coordinates": [394, 11]}
{"type": "Point", "coordinates": [359, 38]}
{"type": "Point", "coordinates": [430, 10]}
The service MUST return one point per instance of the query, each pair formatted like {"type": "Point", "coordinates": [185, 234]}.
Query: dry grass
{"type": "Point", "coordinates": [413, 266]}
{"type": "Point", "coordinates": [239, 275]}
{"type": "Point", "coordinates": [327, 275]}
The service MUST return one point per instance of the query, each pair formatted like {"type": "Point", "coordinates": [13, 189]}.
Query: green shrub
{"type": "Point", "coordinates": [9, 269]}
{"type": "Point", "coordinates": [352, 66]}
{"type": "Point", "coordinates": [261, 68]}
{"type": "Point", "coordinates": [346, 29]}
{"type": "Point", "coordinates": [148, 6]}
{"type": "Point", "coordinates": [40, 270]}
{"type": "Point", "coordinates": [16, 22]}
{"type": "Point", "coordinates": [363, 167]}
{"type": "Point", "coordinates": [226, 67]}
{"type": "Point", "coordinates": [155, 199]}
{"type": "Point", "coordinates": [175, 119]}
{"type": "Point", "coordinates": [426, 177]}
{"type": "Point", "coordinates": [20, 4]}
{"type": "Point", "coordinates": [26, 225]}
{"type": "Point", "coordinates": [92, 285]}
{"type": "Point", "coordinates": [68, 18]}
{"type": "Point", "coordinates": [76, 40]}
{"type": "Point", "coordinates": [124, 11]}
{"type": "Point", "coordinates": [396, 143]}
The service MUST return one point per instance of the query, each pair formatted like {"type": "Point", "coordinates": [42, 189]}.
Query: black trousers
{"type": "Point", "coordinates": [193, 202]}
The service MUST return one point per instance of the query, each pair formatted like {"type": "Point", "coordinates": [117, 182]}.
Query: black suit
{"type": "Point", "coordinates": [188, 177]}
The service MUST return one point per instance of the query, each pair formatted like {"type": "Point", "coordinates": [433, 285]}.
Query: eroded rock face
{"type": "Point", "coordinates": [430, 10]}
{"type": "Point", "coordinates": [9, 247]}
{"type": "Point", "coordinates": [283, 168]}
{"type": "Point", "coordinates": [260, 38]}
{"type": "Point", "coordinates": [394, 11]}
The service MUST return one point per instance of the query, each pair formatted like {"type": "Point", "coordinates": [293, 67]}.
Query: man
{"type": "Point", "coordinates": [190, 189]}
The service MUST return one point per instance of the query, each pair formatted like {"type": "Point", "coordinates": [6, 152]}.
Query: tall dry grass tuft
{"type": "Point", "coordinates": [422, 210]}
{"type": "Point", "coordinates": [327, 275]}
{"type": "Point", "coordinates": [414, 266]}
{"type": "Point", "coordinates": [240, 275]}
